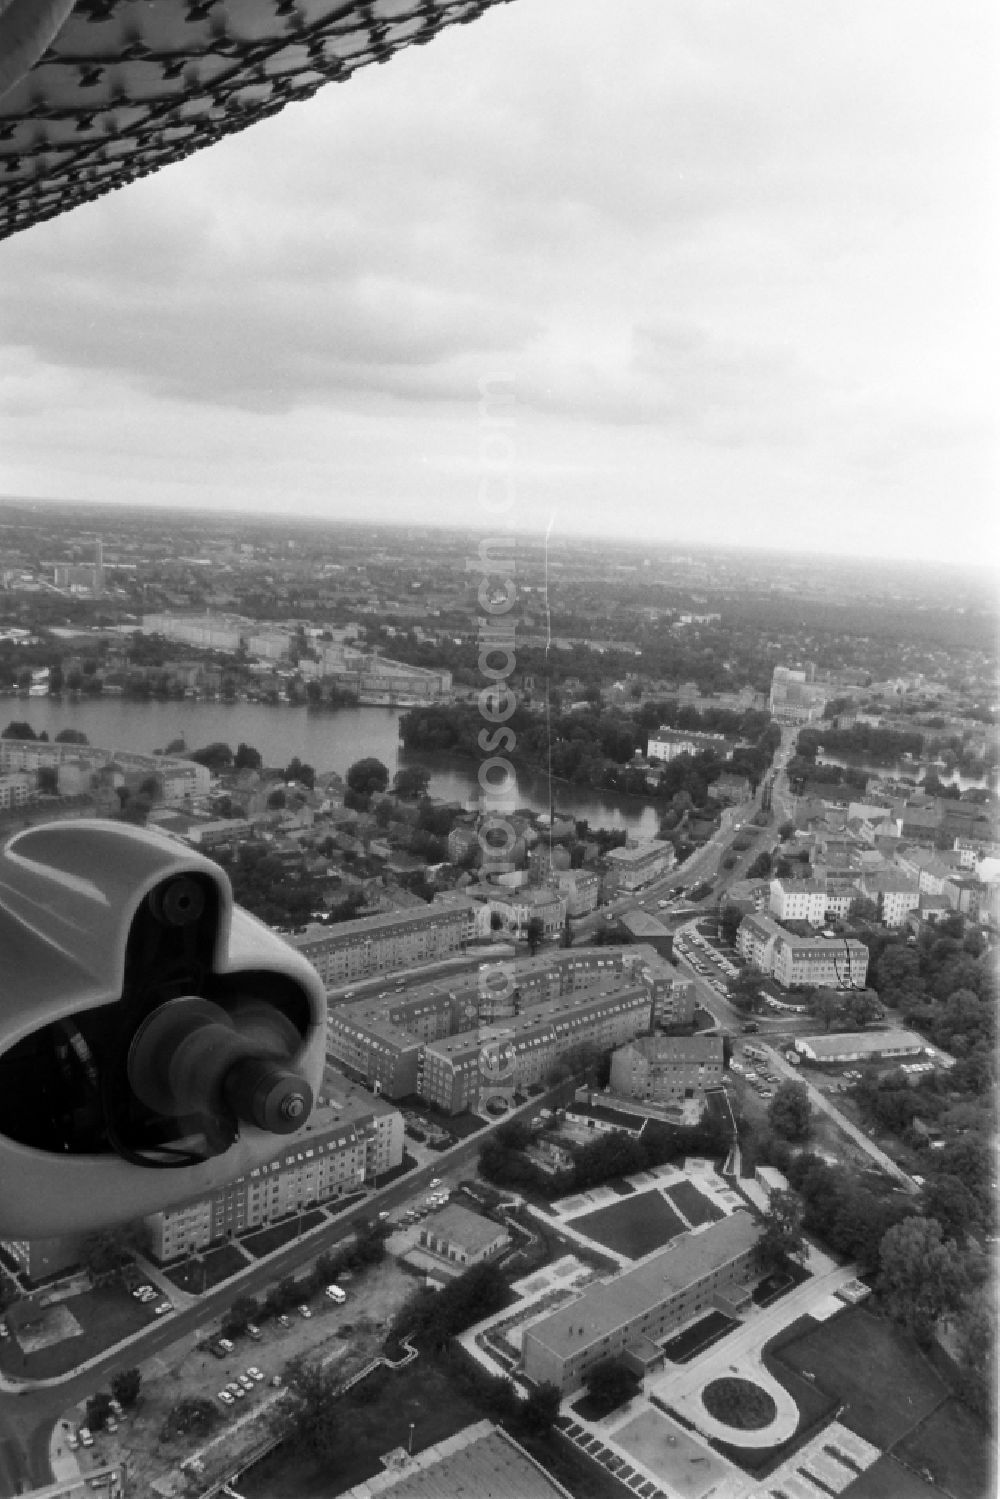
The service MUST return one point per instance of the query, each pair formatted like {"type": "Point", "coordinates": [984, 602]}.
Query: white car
{"type": "Point", "coordinates": [86, 1439]}
{"type": "Point", "coordinates": [225, 1397]}
{"type": "Point", "coordinates": [162, 1308]}
{"type": "Point", "coordinates": [255, 1373]}
{"type": "Point", "coordinates": [245, 1381]}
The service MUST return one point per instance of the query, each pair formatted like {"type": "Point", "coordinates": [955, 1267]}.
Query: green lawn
{"type": "Point", "coordinates": [106, 1315]}
{"type": "Point", "coordinates": [270, 1239]}
{"type": "Point", "coordinates": [213, 1267]}
{"type": "Point", "coordinates": [855, 1353]}
{"type": "Point", "coordinates": [695, 1206]}
{"type": "Point", "coordinates": [419, 1394]}
{"type": "Point", "coordinates": [634, 1226]}
{"type": "Point", "coordinates": [955, 1448]}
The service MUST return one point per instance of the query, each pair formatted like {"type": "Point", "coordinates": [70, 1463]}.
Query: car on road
{"type": "Point", "coordinates": [162, 1307]}
{"type": "Point", "coordinates": [435, 1181]}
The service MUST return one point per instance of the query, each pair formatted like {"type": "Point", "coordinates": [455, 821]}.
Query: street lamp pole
{"type": "Point", "coordinates": [409, 1444]}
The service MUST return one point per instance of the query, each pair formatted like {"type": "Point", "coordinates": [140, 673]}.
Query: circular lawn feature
{"type": "Point", "coordinates": [739, 1403]}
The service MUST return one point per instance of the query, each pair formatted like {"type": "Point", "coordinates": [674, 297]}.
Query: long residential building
{"type": "Point", "coordinates": [668, 744]}
{"type": "Point", "coordinates": [798, 900]}
{"type": "Point", "coordinates": [446, 1045]}
{"type": "Point", "coordinates": [643, 1305]}
{"type": "Point", "coordinates": [392, 940]}
{"type": "Point", "coordinates": [350, 1139]}
{"type": "Point", "coordinates": [833, 962]}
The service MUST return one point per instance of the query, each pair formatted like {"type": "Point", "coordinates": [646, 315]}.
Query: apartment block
{"type": "Point", "coordinates": [833, 962]}
{"type": "Point", "coordinates": [632, 868]}
{"type": "Point", "coordinates": [392, 940]}
{"type": "Point", "coordinates": [349, 1140]}
{"type": "Point", "coordinates": [695, 1274]}
{"type": "Point", "coordinates": [667, 1069]}
{"type": "Point", "coordinates": [798, 900]}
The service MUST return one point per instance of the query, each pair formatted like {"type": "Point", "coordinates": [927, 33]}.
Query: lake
{"type": "Point", "coordinates": [910, 770]}
{"type": "Point", "coordinates": [327, 740]}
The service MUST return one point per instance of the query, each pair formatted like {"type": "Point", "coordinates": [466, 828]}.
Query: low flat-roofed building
{"type": "Point", "coordinates": [479, 1462]}
{"type": "Point", "coordinates": [647, 1302]}
{"type": "Point", "coordinates": [463, 1237]}
{"type": "Point", "coordinates": [861, 1046]}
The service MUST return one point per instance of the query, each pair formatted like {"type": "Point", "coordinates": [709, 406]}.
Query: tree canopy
{"type": "Point", "coordinates": [367, 776]}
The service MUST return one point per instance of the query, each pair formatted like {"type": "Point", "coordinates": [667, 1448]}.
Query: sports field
{"type": "Point", "coordinates": [634, 1226]}
{"type": "Point", "coordinates": [855, 1353]}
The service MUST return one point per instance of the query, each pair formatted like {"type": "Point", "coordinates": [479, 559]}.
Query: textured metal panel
{"type": "Point", "coordinates": [129, 86]}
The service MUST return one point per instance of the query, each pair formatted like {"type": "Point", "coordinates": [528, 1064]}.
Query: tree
{"type": "Point", "coordinates": [18, 729]}
{"type": "Point", "coordinates": [71, 736]}
{"type": "Point", "coordinates": [863, 909]}
{"type": "Point", "coordinates": [541, 1407]}
{"type": "Point", "coordinates": [217, 756]}
{"type": "Point", "coordinates": [781, 1238]}
{"type": "Point", "coordinates": [826, 1006]}
{"type": "Point", "coordinates": [920, 1276]}
{"type": "Point", "coordinates": [98, 1410]}
{"type": "Point", "coordinates": [125, 1386]}
{"type": "Point", "coordinates": [48, 780]}
{"type": "Point", "coordinates": [786, 830]}
{"type": "Point", "coordinates": [534, 932]}
{"type": "Point", "coordinates": [303, 775]}
{"type": "Point", "coordinates": [610, 1383]}
{"type": "Point", "coordinates": [950, 1202]}
{"type": "Point", "coordinates": [496, 921]}
{"type": "Point", "coordinates": [729, 923]}
{"type": "Point", "coordinates": [277, 799]}
{"type": "Point", "coordinates": [246, 757]}
{"type": "Point", "coordinates": [367, 776]}
{"type": "Point", "coordinates": [790, 1112]}
{"type": "Point", "coordinates": [411, 782]}
{"type": "Point", "coordinates": [105, 1254]}
{"type": "Point", "coordinates": [761, 867]}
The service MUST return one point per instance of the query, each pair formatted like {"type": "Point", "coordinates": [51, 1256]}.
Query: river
{"type": "Point", "coordinates": [327, 740]}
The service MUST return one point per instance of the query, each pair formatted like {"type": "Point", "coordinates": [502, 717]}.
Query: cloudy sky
{"type": "Point", "coordinates": [736, 259]}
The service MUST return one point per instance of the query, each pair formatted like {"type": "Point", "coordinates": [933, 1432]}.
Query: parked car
{"type": "Point", "coordinates": [72, 1441]}
{"type": "Point", "coordinates": [86, 1437]}
{"type": "Point", "coordinates": [225, 1397]}
{"type": "Point", "coordinates": [254, 1332]}
{"type": "Point", "coordinates": [245, 1381]}
{"type": "Point", "coordinates": [255, 1373]}
{"type": "Point", "coordinates": [236, 1389]}
{"type": "Point", "coordinates": [336, 1294]}
{"type": "Point", "coordinates": [304, 1311]}
{"type": "Point", "coordinates": [227, 1344]}
{"type": "Point", "coordinates": [162, 1307]}
{"type": "Point", "coordinates": [285, 1321]}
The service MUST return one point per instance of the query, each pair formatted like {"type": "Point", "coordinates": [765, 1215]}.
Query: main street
{"type": "Point", "coordinates": [28, 1415]}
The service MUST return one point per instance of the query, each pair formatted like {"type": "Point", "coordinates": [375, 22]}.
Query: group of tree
{"type": "Point", "coordinates": [881, 746]}
{"type": "Point", "coordinates": [594, 746]}
{"type": "Point", "coordinates": [845, 1009]}
{"type": "Point", "coordinates": [504, 1161]}
{"type": "Point", "coordinates": [790, 1113]}
{"type": "Point", "coordinates": [366, 1248]}
{"type": "Point", "coordinates": [946, 987]}
{"type": "Point", "coordinates": [432, 1318]}
{"type": "Point", "coordinates": [125, 1388]}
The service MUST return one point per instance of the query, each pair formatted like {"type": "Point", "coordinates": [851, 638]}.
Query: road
{"type": "Point", "coordinates": [27, 1418]}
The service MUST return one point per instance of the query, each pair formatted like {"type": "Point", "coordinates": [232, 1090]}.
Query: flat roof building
{"type": "Point", "coordinates": [862, 1046]}
{"type": "Point", "coordinates": [646, 1302]}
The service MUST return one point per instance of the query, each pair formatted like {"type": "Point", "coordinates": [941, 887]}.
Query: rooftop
{"type": "Point", "coordinates": [478, 1462]}
{"type": "Point", "coordinates": [871, 1042]}
{"type": "Point", "coordinates": [606, 1306]}
{"type": "Point", "coordinates": [460, 1226]}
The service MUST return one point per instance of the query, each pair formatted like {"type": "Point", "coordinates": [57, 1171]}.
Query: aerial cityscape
{"type": "Point", "coordinates": [499, 770]}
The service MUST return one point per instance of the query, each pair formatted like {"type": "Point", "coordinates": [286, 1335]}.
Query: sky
{"type": "Point", "coordinates": [735, 262]}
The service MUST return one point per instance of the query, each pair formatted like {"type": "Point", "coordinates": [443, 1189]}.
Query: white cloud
{"type": "Point", "coordinates": [737, 258]}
